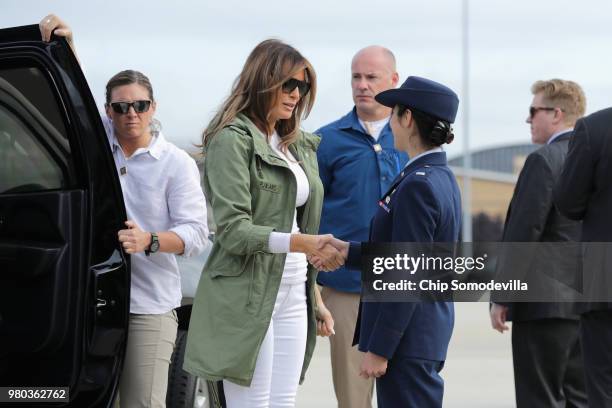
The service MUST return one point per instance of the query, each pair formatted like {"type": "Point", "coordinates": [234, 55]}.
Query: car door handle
{"type": "Point", "coordinates": [111, 264]}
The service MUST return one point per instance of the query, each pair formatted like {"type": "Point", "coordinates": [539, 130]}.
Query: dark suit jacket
{"type": "Point", "coordinates": [425, 207]}
{"type": "Point", "coordinates": [532, 217]}
{"type": "Point", "coordinates": [584, 192]}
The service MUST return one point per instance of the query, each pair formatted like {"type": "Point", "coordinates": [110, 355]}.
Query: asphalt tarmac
{"type": "Point", "coordinates": [477, 374]}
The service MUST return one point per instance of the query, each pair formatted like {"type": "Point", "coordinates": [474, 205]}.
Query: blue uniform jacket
{"type": "Point", "coordinates": [425, 207]}
{"type": "Point", "coordinates": [355, 170]}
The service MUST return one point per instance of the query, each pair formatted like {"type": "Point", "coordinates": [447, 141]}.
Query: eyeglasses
{"type": "Point", "coordinates": [292, 83]}
{"type": "Point", "coordinates": [534, 109]}
{"type": "Point", "coordinates": [124, 107]}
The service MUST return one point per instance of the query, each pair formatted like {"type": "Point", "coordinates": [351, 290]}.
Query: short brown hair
{"type": "Point", "coordinates": [566, 95]}
{"type": "Point", "coordinates": [128, 77]}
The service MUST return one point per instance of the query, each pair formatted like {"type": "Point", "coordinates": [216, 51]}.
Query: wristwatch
{"type": "Point", "coordinates": [154, 246]}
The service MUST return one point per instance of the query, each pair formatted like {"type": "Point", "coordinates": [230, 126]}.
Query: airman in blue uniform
{"type": "Point", "coordinates": [405, 343]}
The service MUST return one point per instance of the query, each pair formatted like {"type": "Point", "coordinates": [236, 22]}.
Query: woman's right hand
{"type": "Point", "coordinates": [52, 24]}
{"type": "Point", "coordinates": [318, 247]}
{"type": "Point", "coordinates": [338, 245]}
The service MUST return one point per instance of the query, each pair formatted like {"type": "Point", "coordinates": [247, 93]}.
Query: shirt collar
{"type": "Point", "coordinates": [155, 148]}
{"type": "Point", "coordinates": [418, 156]}
{"type": "Point", "coordinates": [556, 135]}
{"type": "Point", "coordinates": [351, 121]}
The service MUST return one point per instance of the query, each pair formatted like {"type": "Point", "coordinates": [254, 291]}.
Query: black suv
{"type": "Point", "coordinates": [64, 279]}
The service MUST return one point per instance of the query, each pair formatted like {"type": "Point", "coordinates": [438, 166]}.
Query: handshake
{"type": "Point", "coordinates": [324, 252]}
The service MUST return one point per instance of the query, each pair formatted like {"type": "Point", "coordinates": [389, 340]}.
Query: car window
{"type": "Point", "coordinates": [24, 164]}
{"type": "Point", "coordinates": [34, 151]}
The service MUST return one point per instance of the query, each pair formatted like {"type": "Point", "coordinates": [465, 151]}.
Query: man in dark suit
{"type": "Point", "coordinates": [548, 367]}
{"type": "Point", "coordinates": [584, 192]}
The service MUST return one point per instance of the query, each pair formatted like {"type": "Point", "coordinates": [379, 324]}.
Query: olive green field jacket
{"type": "Point", "coordinates": [252, 192]}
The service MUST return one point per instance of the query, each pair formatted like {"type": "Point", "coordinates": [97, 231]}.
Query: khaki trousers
{"type": "Point", "coordinates": [352, 391]}
{"type": "Point", "coordinates": [149, 349]}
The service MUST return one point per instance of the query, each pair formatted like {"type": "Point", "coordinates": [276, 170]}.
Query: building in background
{"type": "Point", "coordinates": [494, 175]}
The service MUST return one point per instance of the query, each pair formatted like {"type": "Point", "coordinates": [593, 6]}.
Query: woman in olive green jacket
{"type": "Point", "coordinates": [254, 319]}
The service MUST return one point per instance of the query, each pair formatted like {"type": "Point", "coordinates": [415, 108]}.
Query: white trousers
{"type": "Point", "coordinates": [280, 359]}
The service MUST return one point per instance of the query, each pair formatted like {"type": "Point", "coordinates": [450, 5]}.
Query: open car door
{"type": "Point", "coordinates": [64, 280]}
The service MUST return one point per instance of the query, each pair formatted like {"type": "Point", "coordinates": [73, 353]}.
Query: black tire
{"type": "Point", "coordinates": [186, 390]}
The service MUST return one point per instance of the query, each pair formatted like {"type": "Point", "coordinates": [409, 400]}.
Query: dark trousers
{"type": "Point", "coordinates": [410, 383]}
{"type": "Point", "coordinates": [548, 365]}
{"type": "Point", "coordinates": [596, 336]}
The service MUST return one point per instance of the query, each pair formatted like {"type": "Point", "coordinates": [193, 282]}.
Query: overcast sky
{"type": "Point", "coordinates": [193, 50]}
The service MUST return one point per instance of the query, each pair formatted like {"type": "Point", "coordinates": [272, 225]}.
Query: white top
{"type": "Point", "coordinates": [161, 191]}
{"type": "Point", "coordinates": [375, 128]}
{"type": "Point", "coordinates": [279, 242]}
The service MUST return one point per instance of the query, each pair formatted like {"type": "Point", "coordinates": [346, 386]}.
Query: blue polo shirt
{"type": "Point", "coordinates": [356, 170]}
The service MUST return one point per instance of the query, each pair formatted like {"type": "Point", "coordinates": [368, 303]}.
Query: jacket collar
{"type": "Point", "coordinates": [561, 136]}
{"type": "Point", "coordinates": [260, 141]}
{"type": "Point", "coordinates": [431, 159]}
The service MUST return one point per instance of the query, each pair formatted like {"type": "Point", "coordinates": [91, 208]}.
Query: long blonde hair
{"type": "Point", "coordinates": [255, 92]}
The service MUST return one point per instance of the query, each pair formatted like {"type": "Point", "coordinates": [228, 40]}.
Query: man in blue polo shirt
{"type": "Point", "coordinates": [357, 163]}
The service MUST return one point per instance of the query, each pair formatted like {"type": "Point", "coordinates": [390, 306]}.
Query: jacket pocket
{"type": "Point", "coordinates": [233, 265]}
{"type": "Point", "coordinates": [242, 285]}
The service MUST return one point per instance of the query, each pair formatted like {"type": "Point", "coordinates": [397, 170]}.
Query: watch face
{"type": "Point", "coordinates": [154, 243]}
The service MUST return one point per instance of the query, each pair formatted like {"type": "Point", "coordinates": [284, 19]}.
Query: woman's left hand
{"type": "Point", "coordinates": [325, 321]}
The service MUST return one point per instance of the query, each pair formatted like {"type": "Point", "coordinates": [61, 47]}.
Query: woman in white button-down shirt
{"type": "Point", "coordinates": [166, 216]}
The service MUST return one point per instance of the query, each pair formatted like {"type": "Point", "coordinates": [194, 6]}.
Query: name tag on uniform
{"type": "Point", "coordinates": [384, 206]}
{"type": "Point", "coordinates": [384, 202]}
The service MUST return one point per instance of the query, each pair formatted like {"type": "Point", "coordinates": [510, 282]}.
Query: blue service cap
{"type": "Point", "coordinates": [424, 95]}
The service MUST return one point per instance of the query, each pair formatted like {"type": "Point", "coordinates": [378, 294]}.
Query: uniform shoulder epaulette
{"type": "Point", "coordinates": [423, 170]}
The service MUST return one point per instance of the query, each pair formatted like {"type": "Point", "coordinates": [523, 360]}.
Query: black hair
{"type": "Point", "coordinates": [434, 132]}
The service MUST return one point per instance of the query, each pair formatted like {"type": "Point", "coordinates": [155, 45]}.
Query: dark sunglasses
{"type": "Point", "coordinates": [534, 109]}
{"type": "Point", "coordinates": [293, 83]}
{"type": "Point", "coordinates": [124, 107]}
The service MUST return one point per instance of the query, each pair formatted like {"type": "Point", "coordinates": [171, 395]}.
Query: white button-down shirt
{"type": "Point", "coordinates": [161, 191]}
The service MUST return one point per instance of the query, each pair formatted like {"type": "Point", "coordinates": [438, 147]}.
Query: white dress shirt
{"type": "Point", "coordinates": [161, 190]}
{"type": "Point", "coordinates": [556, 135]}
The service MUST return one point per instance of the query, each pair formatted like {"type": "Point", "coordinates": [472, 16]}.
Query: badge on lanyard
{"type": "Point", "coordinates": [384, 202]}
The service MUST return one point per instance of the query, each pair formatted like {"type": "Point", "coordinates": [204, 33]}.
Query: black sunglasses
{"type": "Point", "coordinates": [534, 109]}
{"type": "Point", "coordinates": [124, 107]}
{"type": "Point", "coordinates": [292, 83]}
